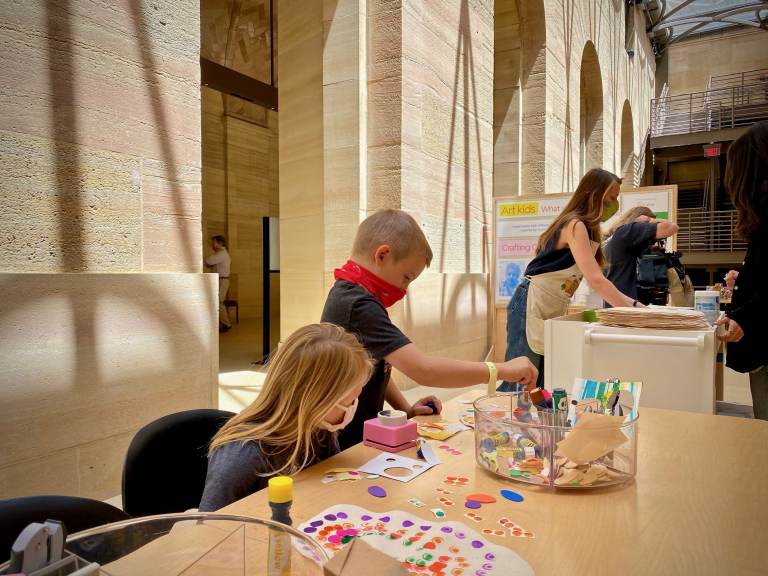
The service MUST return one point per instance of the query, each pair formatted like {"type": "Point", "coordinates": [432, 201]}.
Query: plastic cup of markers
{"type": "Point", "coordinates": [520, 445]}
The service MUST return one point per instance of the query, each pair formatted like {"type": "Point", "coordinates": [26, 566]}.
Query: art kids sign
{"type": "Point", "coordinates": [530, 208]}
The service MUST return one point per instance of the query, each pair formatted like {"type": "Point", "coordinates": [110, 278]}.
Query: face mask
{"type": "Point", "coordinates": [609, 209]}
{"type": "Point", "coordinates": [349, 413]}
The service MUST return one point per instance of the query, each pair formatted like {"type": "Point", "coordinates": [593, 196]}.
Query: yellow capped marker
{"type": "Point", "coordinates": [280, 489]}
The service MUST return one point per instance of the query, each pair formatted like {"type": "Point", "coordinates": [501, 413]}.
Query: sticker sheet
{"type": "Point", "coordinates": [424, 547]}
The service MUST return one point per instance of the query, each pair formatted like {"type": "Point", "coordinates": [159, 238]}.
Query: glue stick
{"type": "Point", "coordinates": [280, 493]}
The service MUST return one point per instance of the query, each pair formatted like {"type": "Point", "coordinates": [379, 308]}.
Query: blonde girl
{"type": "Point", "coordinates": [310, 393]}
{"type": "Point", "coordinates": [567, 251]}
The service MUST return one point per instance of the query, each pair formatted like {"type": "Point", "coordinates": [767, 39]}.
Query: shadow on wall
{"type": "Point", "coordinates": [464, 69]}
{"type": "Point", "coordinates": [64, 110]}
{"type": "Point", "coordinates": [57, 376]}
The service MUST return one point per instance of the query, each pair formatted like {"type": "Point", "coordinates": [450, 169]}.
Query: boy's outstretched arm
{"type": "Point", "coordinates": [395, 398]}
{"type": "Point", "coordinates": [450, 373]}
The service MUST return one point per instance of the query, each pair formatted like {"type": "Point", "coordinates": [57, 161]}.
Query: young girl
{"type": "Point", "coordinates": [567, 251]}
{"type": "Point", "coordinates": [746, 179]}
{"type": "Point", "coordinates": [310, 393]}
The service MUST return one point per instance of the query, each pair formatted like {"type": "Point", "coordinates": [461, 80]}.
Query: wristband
{"type": "Point", "coordinates": [492, 372]}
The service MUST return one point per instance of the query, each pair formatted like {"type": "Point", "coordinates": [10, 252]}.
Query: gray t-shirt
{"type": "Point", "coordinates": [622, 251]}
{"type": "Point", "coordinates": [354, 308]}
{"type": "Point", "coordinates": [238, 469]}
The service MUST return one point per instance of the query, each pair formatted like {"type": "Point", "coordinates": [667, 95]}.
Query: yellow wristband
{"type": "Point", "coordinates": [491, 377]}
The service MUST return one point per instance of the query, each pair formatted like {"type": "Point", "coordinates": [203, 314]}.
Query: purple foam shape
{"type": "Point", "coordinates": [365, 517]}
{"type": "Point", "coordinates": [490, 556]}
{"type": "Point", "coordinates": [310, 529]}
{"type": "Point", "coordinates": [407, 523]}
{"type": "Point", "coordinates": [477, 544]}
{"type": "Point", "coordinates": [446, 529]}
{"type": "Point", "coordinates": [316, 523]}
{"type": "Point", "coordinates": [342, 515]}
{"type": "Point", "coordinates": [472, 504]}
{"type": "Point", "coordinates": [425, 527]}
{"type": "Point", "coordinates": [487, 566]}
{"type": "Point", "coordinates": [384, 518]}
{"type": "Point", "coordinates": [377, 491]}
{"type": "Point", "coordinates": [330, 517]}
{"type": "Point", "coordinates": [460, 535]}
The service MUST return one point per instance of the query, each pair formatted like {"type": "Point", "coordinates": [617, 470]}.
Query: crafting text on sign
{"type": "Point", "coordinates": [516, 248]}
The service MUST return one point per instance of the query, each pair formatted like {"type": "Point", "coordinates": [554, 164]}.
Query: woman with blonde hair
{"type": "Point", "coordinates": [635, 231]}
{"type": "Point", "coordinates": [567, 251]}
{"type": "Point", "coordinates": [310, 393]}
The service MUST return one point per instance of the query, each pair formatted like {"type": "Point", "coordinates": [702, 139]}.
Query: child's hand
{"type": "Point", "coordinates": [519, 370]}
{"type": "Point", "coordinates": [420, 408]}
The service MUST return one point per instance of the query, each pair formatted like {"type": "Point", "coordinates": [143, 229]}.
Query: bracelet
{"type": "Point", "coordinates": [492, 372]}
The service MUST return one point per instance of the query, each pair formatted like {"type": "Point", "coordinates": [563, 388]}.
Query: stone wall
{"type": "Point", "coordinates": [690, 63]}
{"type": "Point", "coordinates": [240, 179]}
{"type": "Point", "coordinates": [99, 175]}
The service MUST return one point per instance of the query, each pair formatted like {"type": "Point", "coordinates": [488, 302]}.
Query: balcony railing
{"type": "Point", "coordinates": [716, 109]}
{"type": "Point", "coordinates": [737, 79]}
{"type": "Point", "coordinates": [708, 231]}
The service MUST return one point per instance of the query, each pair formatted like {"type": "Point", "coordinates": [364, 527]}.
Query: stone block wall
{"type": "Point", "coordinates": [106, 320]}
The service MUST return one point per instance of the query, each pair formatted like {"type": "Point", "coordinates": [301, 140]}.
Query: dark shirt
{"type": "Point", "coordinates": [238, 469]}
{"type": "Point", "coordinates": [749, 308]}
{"type": "Point", "coordinates": [622, 251]}
{"type": "Point", "coordinates": [549, 259]}
{"type": "Point", "coordinates": [354, 308]}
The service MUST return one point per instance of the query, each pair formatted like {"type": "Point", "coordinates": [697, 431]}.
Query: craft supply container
{"type": "Point", "coordinates": [523, 448]}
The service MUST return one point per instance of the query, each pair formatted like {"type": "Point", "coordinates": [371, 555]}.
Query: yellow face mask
{"type": "Point", "coordinates": [609, 209]}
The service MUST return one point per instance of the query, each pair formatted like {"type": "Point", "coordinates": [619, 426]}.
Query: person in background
{"type": "Point", "coordinates": [221, 261]}
{"type": "Point", "coordinates": [628, 238]}
{"type": "Point", "coordinates": [746, 179]}
{"type": "Point", "coordinates": [309, 394]}
{"type": "Point", "coordinates": [389, 252]}
{"type": "Point", "coordinates": [567, 251]}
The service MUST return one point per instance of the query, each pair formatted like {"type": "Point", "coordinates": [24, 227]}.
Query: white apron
{"type": "Point", "coordinates": [549, 294]}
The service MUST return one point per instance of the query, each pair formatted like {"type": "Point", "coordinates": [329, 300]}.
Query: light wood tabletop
{"type": "Point", "coordinates": [698, 505]}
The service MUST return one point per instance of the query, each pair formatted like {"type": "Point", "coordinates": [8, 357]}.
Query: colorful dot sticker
{"type": "Point", "coordinates": [513, 496]}
{"type": "Point", "coordinates": [474, 517]}
{"type": "Point", "coordinates": [438, 512]}
{"type": "Point", "coordinates": [446, 501]}
{"type": "Point", "coordinates": [456, 480]}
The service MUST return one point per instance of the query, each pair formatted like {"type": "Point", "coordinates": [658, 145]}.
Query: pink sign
{"type": "Point", "coordinates": [517, 248]}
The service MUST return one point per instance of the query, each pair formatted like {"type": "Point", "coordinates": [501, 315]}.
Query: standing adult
{"type": "Point", "coordinates": [628, 238]}
{"type": "Point", "coordinates": [221, 262]}
{"type": "Point", "coordinates": [746, 179]}
{"type": "Point", "coordinates": [567, 251]}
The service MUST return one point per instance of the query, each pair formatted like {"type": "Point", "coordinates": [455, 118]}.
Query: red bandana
{"type": "Point", "coordinates": [383, 291]}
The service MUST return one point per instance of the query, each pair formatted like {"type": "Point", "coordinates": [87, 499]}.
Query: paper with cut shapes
{"type": "Point", "coordinates": [440, 430]}
{"type": "Point", "coordinates": [386, 461]}
{"type": "Point", "coordinates": [596, 396]}
{"type": "Point", "coordinates": [424, 547]}
{"type": "Point", "coordinates": [593, 436]}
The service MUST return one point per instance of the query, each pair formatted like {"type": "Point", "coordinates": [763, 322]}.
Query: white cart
{"type": "Point", "coordinates": [676, 367]}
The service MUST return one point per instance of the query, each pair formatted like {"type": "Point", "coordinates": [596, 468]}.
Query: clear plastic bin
{"type": "Point", "coordinates": [522, 445]}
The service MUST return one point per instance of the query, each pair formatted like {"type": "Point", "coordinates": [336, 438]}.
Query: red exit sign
{"type": "Point", "coordinates": [712, 150]}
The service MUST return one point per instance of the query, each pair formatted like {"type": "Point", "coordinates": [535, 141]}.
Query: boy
{"type": "Point", "coordinates": [390, 251]}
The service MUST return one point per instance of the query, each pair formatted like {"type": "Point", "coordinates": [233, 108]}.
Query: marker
{"type": "Point", "coordinates": [280, 494]}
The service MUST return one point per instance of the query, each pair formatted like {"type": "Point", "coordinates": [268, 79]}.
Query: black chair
{"type": "Point", "coordinates": [167, 461]}
{"type": "Point", "coordinates": [76, 513]}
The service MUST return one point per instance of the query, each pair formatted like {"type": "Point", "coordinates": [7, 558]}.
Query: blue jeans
{"type": "Point", "coordinates": [517, 341]}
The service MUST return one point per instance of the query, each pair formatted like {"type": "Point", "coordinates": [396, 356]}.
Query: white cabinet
{"type": "Point", "coordinates": [676, 367]}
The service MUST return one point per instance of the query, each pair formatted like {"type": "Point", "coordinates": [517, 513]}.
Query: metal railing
{"type": "Point", "coordinates": [716, 109]}
{"type": "Point", "coordinates": [708, 231]}
{"type": "Point", "coordinates": [738, 79]}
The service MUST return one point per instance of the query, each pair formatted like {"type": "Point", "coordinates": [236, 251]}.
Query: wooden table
{"type": "Point", "coordinates": [699, 503]}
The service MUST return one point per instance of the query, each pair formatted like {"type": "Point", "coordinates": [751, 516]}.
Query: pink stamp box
{"type": "Point", "coordinates": [389, 433]}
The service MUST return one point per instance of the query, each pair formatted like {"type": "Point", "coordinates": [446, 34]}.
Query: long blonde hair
{"type": "Point", "coordinates": [314, 369]}
{"type": "Point", "coordinates": [630, 216]}
{"type": "Point", "coordinates": [586, 205]}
